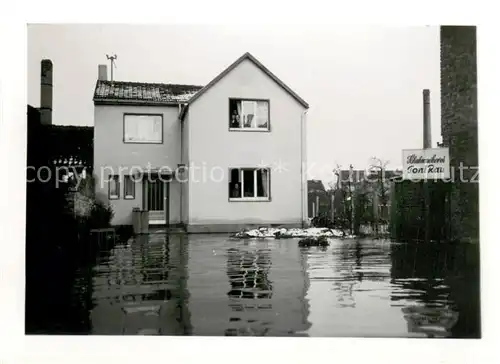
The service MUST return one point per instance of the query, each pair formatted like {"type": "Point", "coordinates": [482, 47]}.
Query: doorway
{"type": "Point", "coordinates": [155, 199]}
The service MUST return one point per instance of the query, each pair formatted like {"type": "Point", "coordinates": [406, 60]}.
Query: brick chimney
{"type": "Point", "coordinates": [103, 72]}
{"type": "Point", "coordinates": [46, 92]}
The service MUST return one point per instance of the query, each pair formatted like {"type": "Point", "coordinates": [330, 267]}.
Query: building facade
{"type": "Point", "coordinates": [459, 128]}
{"type": "Point", "coordinates": [213, 158]}
{"type": "Point", "coordinates": [318, 199]}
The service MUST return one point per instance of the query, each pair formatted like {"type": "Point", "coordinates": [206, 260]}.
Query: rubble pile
{"type": "Point", "coordinates": [283, 233]}
{"type": "Point", "coordinates": [319, 241]}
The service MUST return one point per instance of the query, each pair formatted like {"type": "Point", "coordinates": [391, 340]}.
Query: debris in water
{"type": "Point", "coordinates": [282, 233]}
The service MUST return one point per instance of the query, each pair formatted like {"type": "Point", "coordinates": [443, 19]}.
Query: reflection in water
{"type": "Point", "coordinates": [274, 288]}
{"type": "Point", "coordinates": [378, 288]}
{"type": "Point", "coordinates": [248, 273]}
{"type": "Point", "coordinates": [438, 287]}
{"type": "Point", "coordinates": [140, 288]}
{"type": "Point", "coordinates": [433, 322]}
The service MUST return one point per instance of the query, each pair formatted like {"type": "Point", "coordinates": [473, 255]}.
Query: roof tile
{"type": "Point", "coordinates": [140, 92]}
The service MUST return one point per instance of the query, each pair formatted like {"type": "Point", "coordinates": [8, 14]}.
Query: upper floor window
{"type": "Point", "coordinates": [143, 128]}
{"type": "Point", "coordinates": [248, 114]}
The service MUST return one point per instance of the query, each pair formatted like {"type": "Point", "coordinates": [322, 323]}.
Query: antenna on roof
{"type": "Point", "coordinates": [112, 60]}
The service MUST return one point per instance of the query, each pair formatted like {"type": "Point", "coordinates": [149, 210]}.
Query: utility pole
{"type": "Point", "coordinates": [112, 60]}
{"type": "Point", "coordinates": [334, 189]}
{"type": "Point", "coordinates": [351, 199]}
{"type": "Point", "coordinates": [427, 144]}
{"type": "Point", "coordinates": [332, 202]}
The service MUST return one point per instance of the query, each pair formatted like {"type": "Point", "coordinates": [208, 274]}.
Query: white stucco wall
{"type": "Point", "coordinates": [213, 147]}
{"type": "Point", "coordinates": [111, 154]}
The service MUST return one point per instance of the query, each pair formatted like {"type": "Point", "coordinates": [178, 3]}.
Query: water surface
{"type": "Point", "coordinates": [211, 285]}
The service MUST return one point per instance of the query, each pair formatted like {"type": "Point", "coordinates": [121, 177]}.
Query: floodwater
{"type": "Point", "coordinates": [211, 285]}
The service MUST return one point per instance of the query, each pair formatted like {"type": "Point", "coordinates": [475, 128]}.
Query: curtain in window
{"type": "Point", "coordinates": [131, 128]}
{"type": "Point", "coordinates": [156, 128]}
{"type": "Point", "coordinates": [262, 114]}
{"type": "Point", "coordinates": [265, 182]}
{"type": "Point", "coordinates": [143, 128]}
{"type": "Point", "coordinates": [248, 113]}
{"type": "Point", "coordinates": [240, 116]}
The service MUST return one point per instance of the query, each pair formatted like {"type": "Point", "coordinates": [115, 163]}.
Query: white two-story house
{"type": "Point", "coordinates": [217, 158]}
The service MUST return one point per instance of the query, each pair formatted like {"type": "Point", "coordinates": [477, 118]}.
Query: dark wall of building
{"type": "Point", "coordinates": [51, 235]}
{"type": "Point", "coordinates": [65, 142]}
{"type": "Point", "coordinates": [459, 126]}
{"type": "Point", "coordinates": [408, 214]}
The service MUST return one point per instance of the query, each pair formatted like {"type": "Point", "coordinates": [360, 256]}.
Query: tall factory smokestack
{"type": "Point", "coordinates": [427, 119]}
{"type": "Point", "coordinates": [46, 92]}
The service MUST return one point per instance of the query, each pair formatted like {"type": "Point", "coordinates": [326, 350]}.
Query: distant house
{"type": "Point", "coordinates": [317, 199]}
{"type": "Point", "coordinates": [212, 159]}
{"type": "Point", "coordinates": [376, 183]}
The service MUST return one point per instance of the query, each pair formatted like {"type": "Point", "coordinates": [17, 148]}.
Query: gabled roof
{"type": "Point", "coordinates": [314, 185]}
{"type": "Point", "coordinates": [262, 68]}
{"type": "Point", "coordinates": [140, 93]}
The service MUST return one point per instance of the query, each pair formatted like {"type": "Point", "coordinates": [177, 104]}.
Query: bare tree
{"type": "Point", "coordinates": [344, 215]}
{"type": "Point", "coordinates": [381, 191]}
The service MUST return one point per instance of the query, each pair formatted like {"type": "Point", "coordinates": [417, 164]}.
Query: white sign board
{"type": "Point", "coordinates": [432, 163]}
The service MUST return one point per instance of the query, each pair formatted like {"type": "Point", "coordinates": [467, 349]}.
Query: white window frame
{"type": "Point", "coordinates": [135, 119]}
{"type": "Point", "coordinates": [242, 184]}
{"type": "Point", "coordinates": [115, 178]}
{"type": "Point", "coordinates": [131, 179]}
{"type": "Point", "coordinates": [254, 121]}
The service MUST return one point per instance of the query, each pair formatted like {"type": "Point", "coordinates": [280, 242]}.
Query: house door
{"type": "Point", "coordinates": [156, 200]}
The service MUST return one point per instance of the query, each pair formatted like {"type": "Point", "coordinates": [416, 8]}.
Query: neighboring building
{"type": "Point", "coordinates": [159, 144]}
{"type": "Point", "coordinates": [67, 149]}
{"type": "Point", "coordinates": [318, 201]}
{"type": "Point", "coordinates": [459, 127]}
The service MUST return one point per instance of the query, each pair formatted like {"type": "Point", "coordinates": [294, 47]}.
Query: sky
{"type": "Point", "coordinates": [363, 83]}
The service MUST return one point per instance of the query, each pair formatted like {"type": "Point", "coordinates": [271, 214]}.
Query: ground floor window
{"type": "Point", "coordinates": [129, 187]}
{"type": "Point", "coordinates": [249, 184]}
{"type": "Point", "coordinates": [114, 187]}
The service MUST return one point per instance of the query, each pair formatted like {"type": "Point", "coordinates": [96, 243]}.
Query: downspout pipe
{"type": "Point", "coordinates": [181, 121]}
{"type": "Point", "coordinates": [303, 163]}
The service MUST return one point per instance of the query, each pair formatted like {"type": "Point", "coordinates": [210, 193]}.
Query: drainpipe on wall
{"type": "Point", "coordinates": [182, 111]}
{"type": "Point", "coordinates": [182, 161]}
{"type": "Point", "coordinates": [302, 166]}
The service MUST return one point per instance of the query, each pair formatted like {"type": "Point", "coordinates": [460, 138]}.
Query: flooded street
{"type": "Point", "coordinates": [211, 285]}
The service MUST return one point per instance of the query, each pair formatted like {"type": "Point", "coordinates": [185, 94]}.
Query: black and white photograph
{"type": "Point", "coordinates": [247, 193]}
{"type": "Point", "coordinates": [215, 181]}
